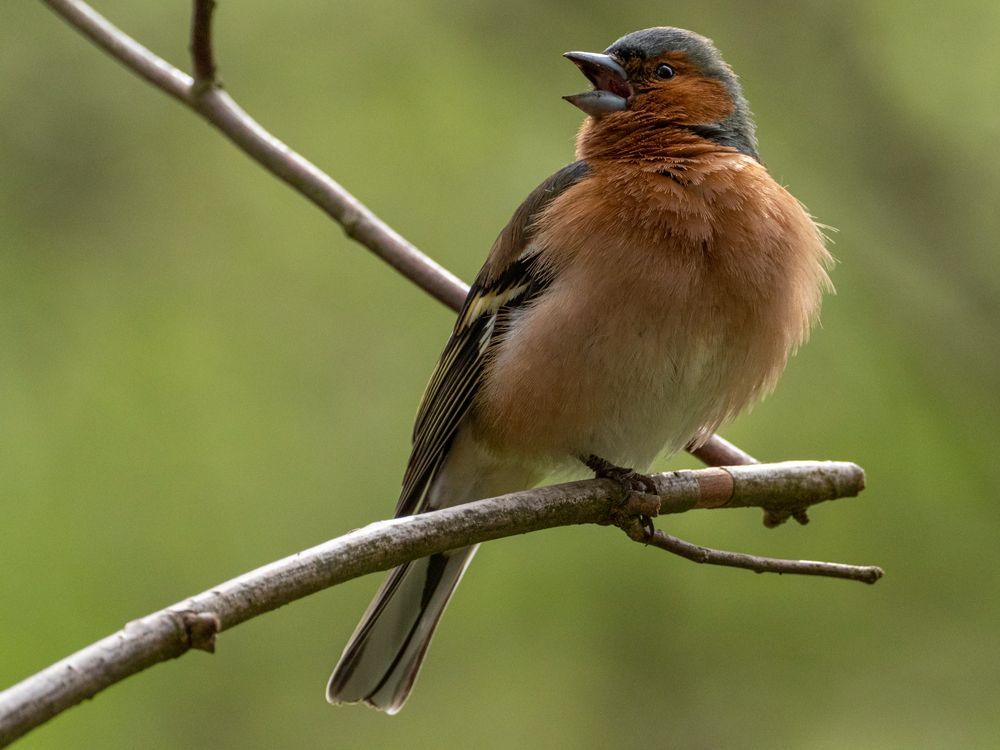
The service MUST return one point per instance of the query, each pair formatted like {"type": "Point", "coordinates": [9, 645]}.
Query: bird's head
{"type": "Point", "coordinates": [663, 76]}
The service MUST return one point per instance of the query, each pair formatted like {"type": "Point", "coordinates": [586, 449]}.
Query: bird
{"type": "Point", "coordinates": [638, 299]}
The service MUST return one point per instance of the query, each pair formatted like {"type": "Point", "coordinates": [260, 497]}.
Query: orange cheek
{"type": "Point", "coordinates": [693, 101]}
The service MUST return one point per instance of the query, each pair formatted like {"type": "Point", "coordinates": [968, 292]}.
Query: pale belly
{"type": "Point", "coordinates": [632, 380]}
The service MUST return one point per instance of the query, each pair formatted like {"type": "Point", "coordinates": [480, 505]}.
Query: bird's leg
{"type": "Point", "coordinates": [632, 483]}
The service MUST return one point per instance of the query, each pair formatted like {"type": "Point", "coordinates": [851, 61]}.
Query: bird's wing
{"type": "Point", "coordinates": [510, 278]}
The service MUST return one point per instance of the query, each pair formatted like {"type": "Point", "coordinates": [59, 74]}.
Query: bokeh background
{"type": "Point", "coordinates": [199, 374]}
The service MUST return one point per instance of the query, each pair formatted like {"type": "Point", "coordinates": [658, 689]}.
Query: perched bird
{"type": "Point", "coordinates": [637, 299]}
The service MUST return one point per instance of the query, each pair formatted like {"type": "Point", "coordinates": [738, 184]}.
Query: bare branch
{"type": "Point", "coordinates": [357, 220]}
{"type": "Point", "coordinates": [202, 56]}
{"type": "Point", "coordinates": [193, 623]}
{"type": "Point", "coordinates": [718, 451]}
{"type": "Point", "coordinates": [124, 48]}
{"type": "Point", "coordinates": [221, 111]}
{"type": "Point", "coordinates": [699, 554]}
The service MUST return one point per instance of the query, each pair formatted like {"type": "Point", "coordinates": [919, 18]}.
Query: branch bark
{"type": "Point", "coordinates": [194, 622]}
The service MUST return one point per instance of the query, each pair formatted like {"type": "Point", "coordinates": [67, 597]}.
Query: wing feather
{"type": "Point", "coordinates": [510, 279]}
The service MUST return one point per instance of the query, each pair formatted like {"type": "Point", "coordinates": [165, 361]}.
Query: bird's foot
{"type": "Point", "coordinates": [640, 500]}
{"type": "Point", "coordinates": [629, 479]}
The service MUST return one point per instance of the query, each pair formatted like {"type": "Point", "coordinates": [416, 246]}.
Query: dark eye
{"type": "Point", "coordinates": [664, 71]}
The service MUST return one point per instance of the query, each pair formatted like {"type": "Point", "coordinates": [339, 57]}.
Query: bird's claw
{"type": "Point", "coordinates": [640, 497]}
{"type": "Point", "coordinates": [647, 527]}
{"type": "Point", "coordinates": [628, 479]}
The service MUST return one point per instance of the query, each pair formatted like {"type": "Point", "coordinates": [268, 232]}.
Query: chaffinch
{"type": "Point", "coordinates": [639, 298]}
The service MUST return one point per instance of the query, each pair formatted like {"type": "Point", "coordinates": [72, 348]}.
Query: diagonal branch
{"type": "Point", "coordinates": [203, 95]}
{"type": "Point", "coordinates": [194, 622]}
{"type": "Point", "coordinates": [220, 110]}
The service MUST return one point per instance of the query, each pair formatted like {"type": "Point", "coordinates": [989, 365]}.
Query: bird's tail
{"type": "Point", "coordinates": [381, 661]}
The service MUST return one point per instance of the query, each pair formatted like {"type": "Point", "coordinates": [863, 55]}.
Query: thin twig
{"type": "Point", "coordinates": [720, 452]}
{"type": "Point", "coordinates": [202, 55]}
{"type": "Point", "coordinates": [699, 554]}
{"type": "Point", "coordinates": [357, 220]}
{"type": "Point", "coordinates": [194, 622]}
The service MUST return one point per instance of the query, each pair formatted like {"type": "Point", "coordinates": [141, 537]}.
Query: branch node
{"type": "Point", "coordinates": [349, 222]}
{"type": "Point", "coordinates": [775, 517]}
{"type": "Point", "coordinates": [200, 629]}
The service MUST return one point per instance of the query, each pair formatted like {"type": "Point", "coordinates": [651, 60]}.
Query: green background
{"type": "Point", "coordinates": [200, 374]}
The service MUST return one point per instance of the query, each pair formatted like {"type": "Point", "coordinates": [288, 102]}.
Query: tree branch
{"type": "Point", "coordinates": [194, 622]}
{"type": "Point", "coordinates": [357, 220]}
{"type": "Point", "coordinates": [720, 452]}
{"type": "Point", "coordinates": [220, 110]}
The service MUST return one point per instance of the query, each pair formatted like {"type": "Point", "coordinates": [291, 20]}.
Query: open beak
{"type": "Point", "coordinates": [611, 87]}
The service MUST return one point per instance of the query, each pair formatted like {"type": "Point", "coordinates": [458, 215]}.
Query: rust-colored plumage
{"type": "Point", "coordinates": [696, 293]}
{"type": "Point", "coordinates": [637, 300]}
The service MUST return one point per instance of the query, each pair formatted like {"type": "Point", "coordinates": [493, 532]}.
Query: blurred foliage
{"type": "Point", "coordinates": [200, 374]}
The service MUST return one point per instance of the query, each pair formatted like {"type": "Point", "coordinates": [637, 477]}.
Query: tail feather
{"type": "Point", "coordinates": [381, 661]}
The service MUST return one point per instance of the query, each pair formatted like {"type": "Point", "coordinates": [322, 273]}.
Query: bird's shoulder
{"type": "Point", "coordinates": [515, 238]}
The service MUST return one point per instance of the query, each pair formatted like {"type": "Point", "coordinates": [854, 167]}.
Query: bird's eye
{"type": "Point", "coordinates": [664, 71]}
